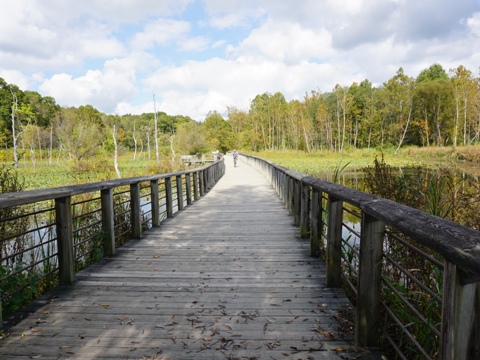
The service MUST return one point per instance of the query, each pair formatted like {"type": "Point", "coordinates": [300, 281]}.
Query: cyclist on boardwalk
{"type": "Point", "coordinates": [235, 156]}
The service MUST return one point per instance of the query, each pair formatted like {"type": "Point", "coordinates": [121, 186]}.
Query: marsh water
{"type": "Point", "coordinates": [451, 192]}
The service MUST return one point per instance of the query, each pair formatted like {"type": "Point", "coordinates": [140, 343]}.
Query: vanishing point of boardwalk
{"type": "Point", "coordinates": [228, 278]}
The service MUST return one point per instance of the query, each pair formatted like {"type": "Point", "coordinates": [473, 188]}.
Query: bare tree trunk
{"type": "Point", "coordinates": [305, 134]}
{"type": "Point", "coordinates": [14, 135]}
{"type": "Point", "coordinates": [405, 130]}
{"type": "Point", "coordinates": [115, 156]}
{"type": "Point", "coordinates": [172, 138]}
{"type": "Point", "coordinates": [51, 146]}
{"type": "Point", "coordinates": [156, 128]}
{"type": "Point", "coordinates": [134, 140]}
{"type": "Point", "coordinates": [148, 144]}
{"type": "Point", "coordinates": [465, 122]}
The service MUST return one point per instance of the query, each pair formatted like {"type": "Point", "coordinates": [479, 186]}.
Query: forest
{"type": "Point", "coordinates": [437, 108]}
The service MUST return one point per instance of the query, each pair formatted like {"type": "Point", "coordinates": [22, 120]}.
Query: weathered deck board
{"type": "Point", "coordinates": [229, 278]}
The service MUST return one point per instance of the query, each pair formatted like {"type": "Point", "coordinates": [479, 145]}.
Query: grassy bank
{"type": "Point", "coordinates": [326, 162]}
{"type": "Point", "coordinates": [100, 168]}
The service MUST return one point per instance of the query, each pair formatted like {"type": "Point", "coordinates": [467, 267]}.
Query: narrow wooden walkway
{"type": "Point", "coordinates": [228, 278]}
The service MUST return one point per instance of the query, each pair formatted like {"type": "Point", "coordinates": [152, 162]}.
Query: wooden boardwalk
{"type": "Point", "coordinates": [228, 278]}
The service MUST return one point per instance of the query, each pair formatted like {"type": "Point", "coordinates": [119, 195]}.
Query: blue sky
{"type": "Point", "coordinates": [199, 56]}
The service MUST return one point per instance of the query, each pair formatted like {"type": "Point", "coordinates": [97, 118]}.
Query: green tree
{"type": "Point", "coordinates": [434, 94]}
{"type": "Point", "coordinates": [466, 94]}
{"type": "Point", "coordinates": [190, 139]}
{"type": "Point", "coordinates": [218, 132]}
{"type": "Point", "coordinates": [396, 97]}
{"type": "Point", "coordinates": [80, 132]}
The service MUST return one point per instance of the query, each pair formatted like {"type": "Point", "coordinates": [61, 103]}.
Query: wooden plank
{"type": "Point", "coordinates": [229, 277]}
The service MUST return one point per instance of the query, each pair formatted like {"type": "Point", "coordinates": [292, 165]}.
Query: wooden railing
{"type": "Point", "coordinates": [46, 235]}
{"type": "Point", "coordinates": [431, 311]}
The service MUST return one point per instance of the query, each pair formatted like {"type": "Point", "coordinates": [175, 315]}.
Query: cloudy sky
{"type": "Point", "coordinates": [206, 55]}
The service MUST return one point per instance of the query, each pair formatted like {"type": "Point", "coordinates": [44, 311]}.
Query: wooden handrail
{"type": "Point", "coordinates": [208, 175]}
{"type": "Point", "coordinates": [459, 246]}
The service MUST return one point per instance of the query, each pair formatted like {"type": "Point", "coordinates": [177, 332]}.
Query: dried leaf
{"type": "Point", "coordinates": [105, 305]}
{"type": "Point", "coordinates": [329, 334]}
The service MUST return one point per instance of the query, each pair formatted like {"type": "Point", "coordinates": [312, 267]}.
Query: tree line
{"type": "Point", "coordinates": [436, 108]}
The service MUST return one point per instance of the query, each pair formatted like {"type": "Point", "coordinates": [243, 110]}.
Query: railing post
{"type": "Point", "coordinates": [461, 311]}
{"type": "Point", "coordinates": [304, 210]}
{"type": "Point", "coordinates": [367, 317]}
{"type": "Point", "coordinates": [201, 177]}
{"type": "Point", "coordinates": [155, 203]}
{"type": "Point", "coordinates": [108, 222]}
{"type": "Point", "coordinates": [284, 182]}
{"type": "Point", "coordinates": [179, 192]}
{"type": "Point", "coordinates": [296, 201]}
{"type": "Point", "coordinates": [195, 186]}
{"type": "Point", "coordinates": [168, 197]}
{"type": "Point", "coordinates": [334, 242]}
{"type": "Point", "coordinates": [188, 185]}
{"type": "Point", "coordinates": [316, 224]}
{"type": "Point", "coordinates": [290, 193]}
{"type": "Point", "coordinates": [136, 211]}
{"type": "Point", "coordinates": [64, 226]}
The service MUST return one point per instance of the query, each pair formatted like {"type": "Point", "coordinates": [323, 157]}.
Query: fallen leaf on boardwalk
{"type": "Point", "coordinates": [105, 305]}
{"type": "Point", "coordinates": [64, 347]}
{"type": "Point", "coordinates": [339, 350]}
{"type": "Point", "coordinates": [36, 356]}
{"type": "Point", "coordinates": [35, 330]}
{"type": "Point", "coordinates": [319, 330]}
{"type": "Point", "coordinates": [45, 313]}
{"type": "Point", "coordinates": [329, 334]}
{"type": "Point", "coordinates": [156, 256]}
{"type": "Point", "coordinates": [22, 336]}
{"type": "Point", "coordinates": [121, 318]}
{"type": "Point", "coordinates": [273, 344]}
{"type": "Point", "coordinates": [207, 338]}
{"type": "Point", "coordinates": [228, 327]}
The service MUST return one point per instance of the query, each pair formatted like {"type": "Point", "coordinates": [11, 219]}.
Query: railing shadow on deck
{"type": "Point", "coordinates": [430, 311]}
{"type": "Point", "coordinates": [47, 235]}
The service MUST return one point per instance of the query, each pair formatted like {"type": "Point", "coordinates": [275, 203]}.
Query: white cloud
{"type": "Point", "coordinates": [113, 53]}
{"type": "Point", "coordinates": [162, 32]}
{"type": "Point", "coordinates": [101, 89]}
{"type": "Point", "coordinates": [474, 24]}
{"type": "Point", "coordinates": [286, 42]}
{"type": "Point", "coordinates": [16, 77]}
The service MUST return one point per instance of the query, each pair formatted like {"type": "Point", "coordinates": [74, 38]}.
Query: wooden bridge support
{"type": "Point", "coordinates": [66, 263]}
{"type": "Point", "coordinates": [460, 316]}
{"type": "Point", "coordinates": [108, 222]}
